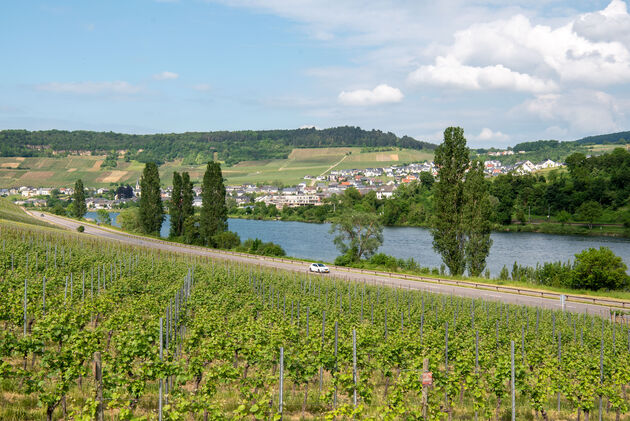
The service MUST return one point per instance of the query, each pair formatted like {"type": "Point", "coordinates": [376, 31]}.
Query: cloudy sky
{"type": "Point", "coordinates": [505, 70]}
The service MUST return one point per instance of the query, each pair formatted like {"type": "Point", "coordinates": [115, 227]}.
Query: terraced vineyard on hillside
{"type": "Point", "coordinates": [206, 336]}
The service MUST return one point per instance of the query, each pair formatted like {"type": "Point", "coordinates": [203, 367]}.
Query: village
{"type": "Point", "coordinates": [383, 181]}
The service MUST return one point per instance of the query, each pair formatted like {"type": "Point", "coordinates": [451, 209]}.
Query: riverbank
{"type": "Point", "coordinates": [554, 228]}
{"type": "Point", "coordinates": [297, 232]}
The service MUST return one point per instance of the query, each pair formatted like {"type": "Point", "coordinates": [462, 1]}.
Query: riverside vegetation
{"type": "Point", "coordinates": [70, 302]}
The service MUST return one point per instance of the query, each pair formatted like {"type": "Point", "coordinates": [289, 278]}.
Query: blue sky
{"type": "Point", "coordinates": [507, 71]}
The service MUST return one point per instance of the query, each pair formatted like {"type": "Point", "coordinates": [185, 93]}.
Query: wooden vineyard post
{"type": "Point", "coordinates": [476, 360]}
{"type": "Point", "coordinates": [512, 386]}
{"type": "Point", "coordinates": [98, 377]}
{"type": "Point", "coordinates": [601, 373]}
{"type": "Point", "coordinates": [336, 338]}
{"type": "Point", "coordinates": [25, 301]}
{"type": "Point", "coordinates": [44, 296]}
{"type": "Point", "coordinates": [426, 382]}
{"type": "Point", "coordinates": [280, 394]}
{"type": "Point", "coordinates": [161, 381]}
{"type": "Point", "coordinates": [354, 366]}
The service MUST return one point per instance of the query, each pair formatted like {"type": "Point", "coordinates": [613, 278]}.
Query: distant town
{"type": "Point", "coordinates": [383, 181]}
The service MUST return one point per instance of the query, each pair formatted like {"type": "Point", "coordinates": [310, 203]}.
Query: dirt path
{"type": "Point", "coordinates": [329, 169]}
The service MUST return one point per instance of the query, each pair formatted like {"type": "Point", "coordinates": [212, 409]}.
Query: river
{"type": "Point", "coordinates": [313, 241]}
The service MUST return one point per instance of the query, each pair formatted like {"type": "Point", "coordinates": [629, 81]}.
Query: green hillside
{"type": "Point", "coordinates": [197, 147]}
{"type": "Point", "coordinates": [11, 212]}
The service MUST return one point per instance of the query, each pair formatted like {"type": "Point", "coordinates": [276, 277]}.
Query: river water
{"type": "Point", "coordinates": [313, 241]}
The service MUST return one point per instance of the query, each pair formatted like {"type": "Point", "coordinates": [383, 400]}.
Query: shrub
{"type": "Point", "coordinates": [596, 269]}
{"type": "Point", "coordinates": [80, 228]}
{"type": "Point", "coordinates": [226, 240]}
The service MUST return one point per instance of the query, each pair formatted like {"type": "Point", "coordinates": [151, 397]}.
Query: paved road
{"type": "Point", "coordinates": [380, 279]}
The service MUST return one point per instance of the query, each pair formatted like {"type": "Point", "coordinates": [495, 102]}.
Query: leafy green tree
{"type": "Point", "coordinates": [103, 217]}
{"type": "Point", "coordinates": [213, 218]}
{"type": "Point", "coordinates": [477, 214]}
{"type": "Point", "coordinates": [563, 217]}
{"type": "Point", "coordinates": [129, 220]}
{"type": "Point", "coordinates": [427, 180]}
{"type": "Point", "coordinates": [449, 229]}
{"type": "Point", "coordinates": [151, 210]}
{"type": "Point", "coordinates": [359, 234]}
{"type": "Point", "coordinates": [188, 196]}
{"type": "Point", "coordinates": [590, 211]}
{"type": "Point", "coordinates": [78, 199]}
{"type": "Point", "coordinates": [175, 207]}
{"type": "Point", "coordinates": [596, 269]}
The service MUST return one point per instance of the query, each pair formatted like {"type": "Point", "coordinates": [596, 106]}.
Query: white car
{"type": "Point", "coordinates": [319, 267]}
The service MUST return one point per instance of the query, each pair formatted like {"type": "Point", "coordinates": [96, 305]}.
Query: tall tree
{"type": "Point", "coordinates": [175, 206]}
{"type": "Point", "coordinates": [187, 197]}
{"type": "Point", "coordinates": [461, 232]}
{"type": "Point", "coordinates": [151, 209]}
{"type": "Point", "coordinates": [359, 234]}
{"type": "Point", "coordinates": [79, 199]}
{"type": "Point", "coordinates": [449, 235]}
{"type": "Point", "coordinates": [213, 218]}
{"type": "Point", "coordinates": [478, 212]}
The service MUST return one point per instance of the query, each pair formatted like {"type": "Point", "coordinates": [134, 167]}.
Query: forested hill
{"type": "Point", "coordinates": [231, 147]}
{"type": "Point", "coordinates": [619, 137]}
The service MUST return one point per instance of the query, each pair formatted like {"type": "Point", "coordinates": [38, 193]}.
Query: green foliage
{"type": "Point", "coordinates": [129, 220]}
{"type": "Point", "coordinates": [197, 148]}
{"type": "Point", "coordinates": [359, 234]}
{"type": "Point", "coordinates": [257, 246]}
{"type": "Point", "coordinates": [213, 218]}
{"type": "Point", "coordinates": [111, 161]}
{"type": "Point", "coordinates": [78, 200]}
{"type": "Point", "coordinates": [462, 211]}
{"type": "Point", "coordinates": [599, 269]}
{"type": "Point", "coordinates": [103, 217]}
{"type": "Point", "coordinates": [80, 228]}
{"type": "Point", "coordinates": [226, 240]}
{"type": "Point", "coordinates": [175, 207]}
{"type": "Point", "coordinates": [589, 211]}
{"type": "Point", "coordinates": [151, 211]}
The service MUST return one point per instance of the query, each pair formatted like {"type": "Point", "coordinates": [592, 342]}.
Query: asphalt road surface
{"type": "Point", "coordinates": [375, 279]}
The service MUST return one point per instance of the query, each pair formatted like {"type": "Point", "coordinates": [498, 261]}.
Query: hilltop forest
{"type": "Point", "coordinates": [197, 147]}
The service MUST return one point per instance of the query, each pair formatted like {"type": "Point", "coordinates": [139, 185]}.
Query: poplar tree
{"type": "Point", "coordinates": [461, 229]}
{"type": "Point", "coordinates": [213, 218]}
{"type": "Point", "coordinates": [151, 210]}
{"type": "Point", "coordinates": [175, 206]}
{"type": "Point", "coordinates": [477, 214]}
{"type": "Point", "coordinates": [79, 199]}
{"type": "Point", "coordinates": [187, 197]}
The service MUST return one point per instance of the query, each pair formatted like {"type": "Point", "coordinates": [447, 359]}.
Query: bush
{"type": "Point", "coordinates": [129, 220]}
{"type": "Point", "coordinates": [226, 240]}
{"type": "Point", "coordinates": [80, 228]}
{"type": "Point", "coordinates": [271, 249]}
{"type": "Point", "coordinates": [596, 269]}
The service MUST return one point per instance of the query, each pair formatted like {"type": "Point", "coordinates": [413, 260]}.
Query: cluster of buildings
{"type": "Point", "coordinates": [310, 192]}
{"type": "Point", "coordinates": [494, 167]}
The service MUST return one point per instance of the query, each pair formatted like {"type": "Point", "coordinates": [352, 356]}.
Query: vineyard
{"type": "Point", "coordinates": [91, 329]}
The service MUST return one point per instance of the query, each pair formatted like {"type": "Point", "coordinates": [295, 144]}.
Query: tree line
{"type": "Point", "coordinates": [198, 147]}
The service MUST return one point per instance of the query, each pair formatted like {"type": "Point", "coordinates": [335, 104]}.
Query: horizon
{"type": "Point", "coordinates": [507, 73]}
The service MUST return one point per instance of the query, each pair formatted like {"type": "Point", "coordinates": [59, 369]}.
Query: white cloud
{"type": "Point", "coordinates": [90, 88]}
{"type": "Point", "coordinates": [202, 87]}
{"type": "Point", "coordinates": [516, 54]}
{"type": "Point", "coordinates": [165, 76]}
{"type": "Point", "coordinates": [382, 94]}
{"type": "Point", "coordinates": [610, 24]}
{"type": "Point", "coordinates": [584, 111]}
{"type": "Point", "coordinates": [448, 71]}
{"type": "Point", "coordinates": [487, 135]}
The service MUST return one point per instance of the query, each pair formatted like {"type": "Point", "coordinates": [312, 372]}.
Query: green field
{"type": "Point", "coordinates": [13, 213]}
{"type": "Point", "coordinates": [63, 172]}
